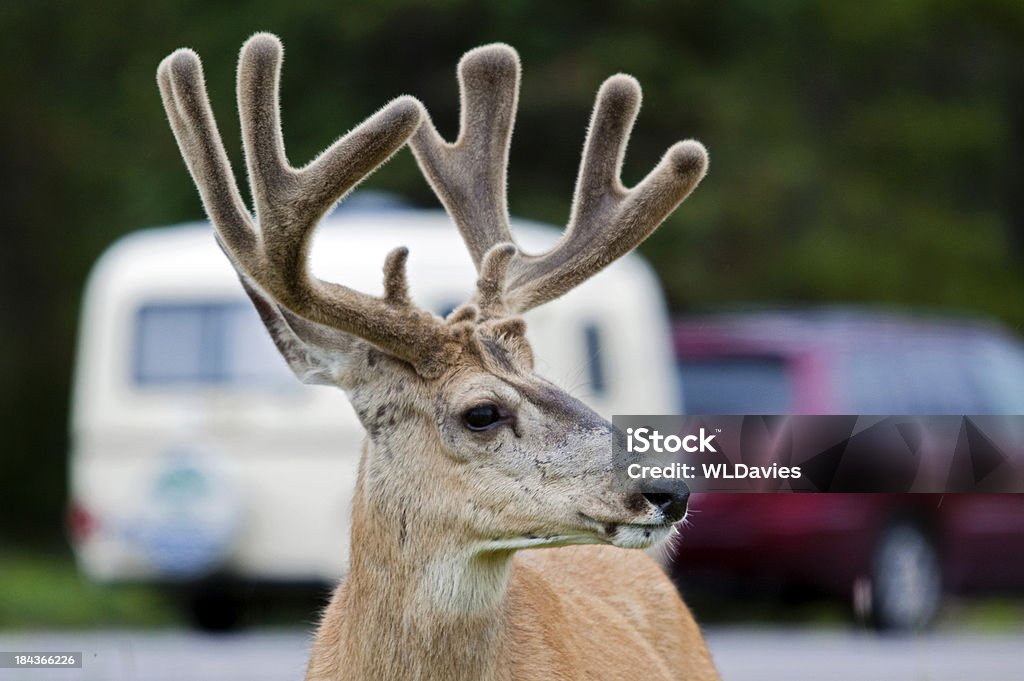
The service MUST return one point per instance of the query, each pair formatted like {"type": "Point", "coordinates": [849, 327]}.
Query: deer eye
{"type": "Point", "coordinates": [483, 417]}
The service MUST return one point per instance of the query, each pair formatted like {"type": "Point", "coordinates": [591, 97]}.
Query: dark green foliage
{"type": "Point", "coordinates": [858, 154]}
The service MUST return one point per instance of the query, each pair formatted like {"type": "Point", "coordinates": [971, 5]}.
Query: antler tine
{"type": "Point", "coordinates": [491, 284]}
{"type": "Point", "coordinates": [183, 91]}
{"type": "Point", "coordinates": [469, 176]}
{"type": "Point", "coordinates": [271, 178]}
{"type": "Point", "coordinates": [607, 220]}
{"type": "Point", "coordinates": [290, 202]}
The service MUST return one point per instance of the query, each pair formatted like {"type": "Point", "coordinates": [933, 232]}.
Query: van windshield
{"type": "Point", "coordinates": [976, 375]}
{"type": "Point", "coordinates": [981, 374]}
{"type": "Point", "coordinates": [205, 343]}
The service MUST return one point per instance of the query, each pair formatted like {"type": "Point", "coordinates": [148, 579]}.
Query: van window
{"type": "Point", "coordinates": [735, 385]}
{"type": "Point", "coordinates": [595, 359]}
{"type": "Point", "coordinates": [204, 343]}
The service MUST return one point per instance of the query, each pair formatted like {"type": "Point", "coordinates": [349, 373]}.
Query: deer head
{"type": "Point", "coordinates": [466, 444]}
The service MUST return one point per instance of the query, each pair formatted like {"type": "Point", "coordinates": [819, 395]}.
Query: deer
{"type": "Point", "coordinates": [471, 459]}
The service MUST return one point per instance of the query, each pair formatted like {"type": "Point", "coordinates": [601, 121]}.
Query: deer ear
{"type": "Point", "coordinates": [317, 354]}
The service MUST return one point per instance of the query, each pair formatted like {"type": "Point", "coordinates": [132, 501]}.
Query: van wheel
{"type": "Point", "coordinates": [215, 608]}
{"type": "Point", "coordinates": [907, 579]}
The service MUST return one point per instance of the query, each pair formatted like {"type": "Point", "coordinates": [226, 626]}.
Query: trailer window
{"type": "Point", "coordinates": [595, 359]}
{"type": "Point", "coordinates": [207, 343]}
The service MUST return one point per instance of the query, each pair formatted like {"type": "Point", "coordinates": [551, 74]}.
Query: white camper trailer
{"type": "Point", "coordinates": [195, 452]}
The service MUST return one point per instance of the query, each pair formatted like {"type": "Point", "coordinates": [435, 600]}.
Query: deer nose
{"type": "Point", "coordinates": [671, 503]}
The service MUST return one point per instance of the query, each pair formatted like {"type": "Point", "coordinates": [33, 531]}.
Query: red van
{"type": "Point", "coordinates": [900, 552]}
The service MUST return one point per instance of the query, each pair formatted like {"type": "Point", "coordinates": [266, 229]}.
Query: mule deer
{"type": "Point", "coordinates": [470, 456]}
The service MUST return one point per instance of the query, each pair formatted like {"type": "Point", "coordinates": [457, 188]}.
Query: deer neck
{"type": "Point", "coordinates": [420, 603]}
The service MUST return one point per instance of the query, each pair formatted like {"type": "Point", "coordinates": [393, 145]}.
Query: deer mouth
{"type": "Point", "coordinates": [533, 541]}
{"type": "Point", "coordinates": [627, 535]}
{"type": "Point", "coordinates": [639, 535]}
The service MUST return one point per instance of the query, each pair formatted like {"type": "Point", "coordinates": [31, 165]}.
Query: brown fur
{"type": "Point", "coordinates": [440, 586]}
{"type": "Point", "coordinates": [565, 615]}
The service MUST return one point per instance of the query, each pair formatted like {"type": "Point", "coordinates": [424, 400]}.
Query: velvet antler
{"type": "Point", "coordinates": [291, 201]}
{"type": "Point", "coordinates": [607, 221]}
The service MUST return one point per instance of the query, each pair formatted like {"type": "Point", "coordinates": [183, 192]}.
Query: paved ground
{"type": "Point", "coordinates": [798, 655]}
{"type": "Point", "coordinates": [742, 654]}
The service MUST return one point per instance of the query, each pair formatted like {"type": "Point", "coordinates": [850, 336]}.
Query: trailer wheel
{"type": "Point", "coordinates": [215, 608]}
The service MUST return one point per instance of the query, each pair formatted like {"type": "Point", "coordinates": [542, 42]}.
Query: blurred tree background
{"type": "Point", "coordinates": [860, 153]}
